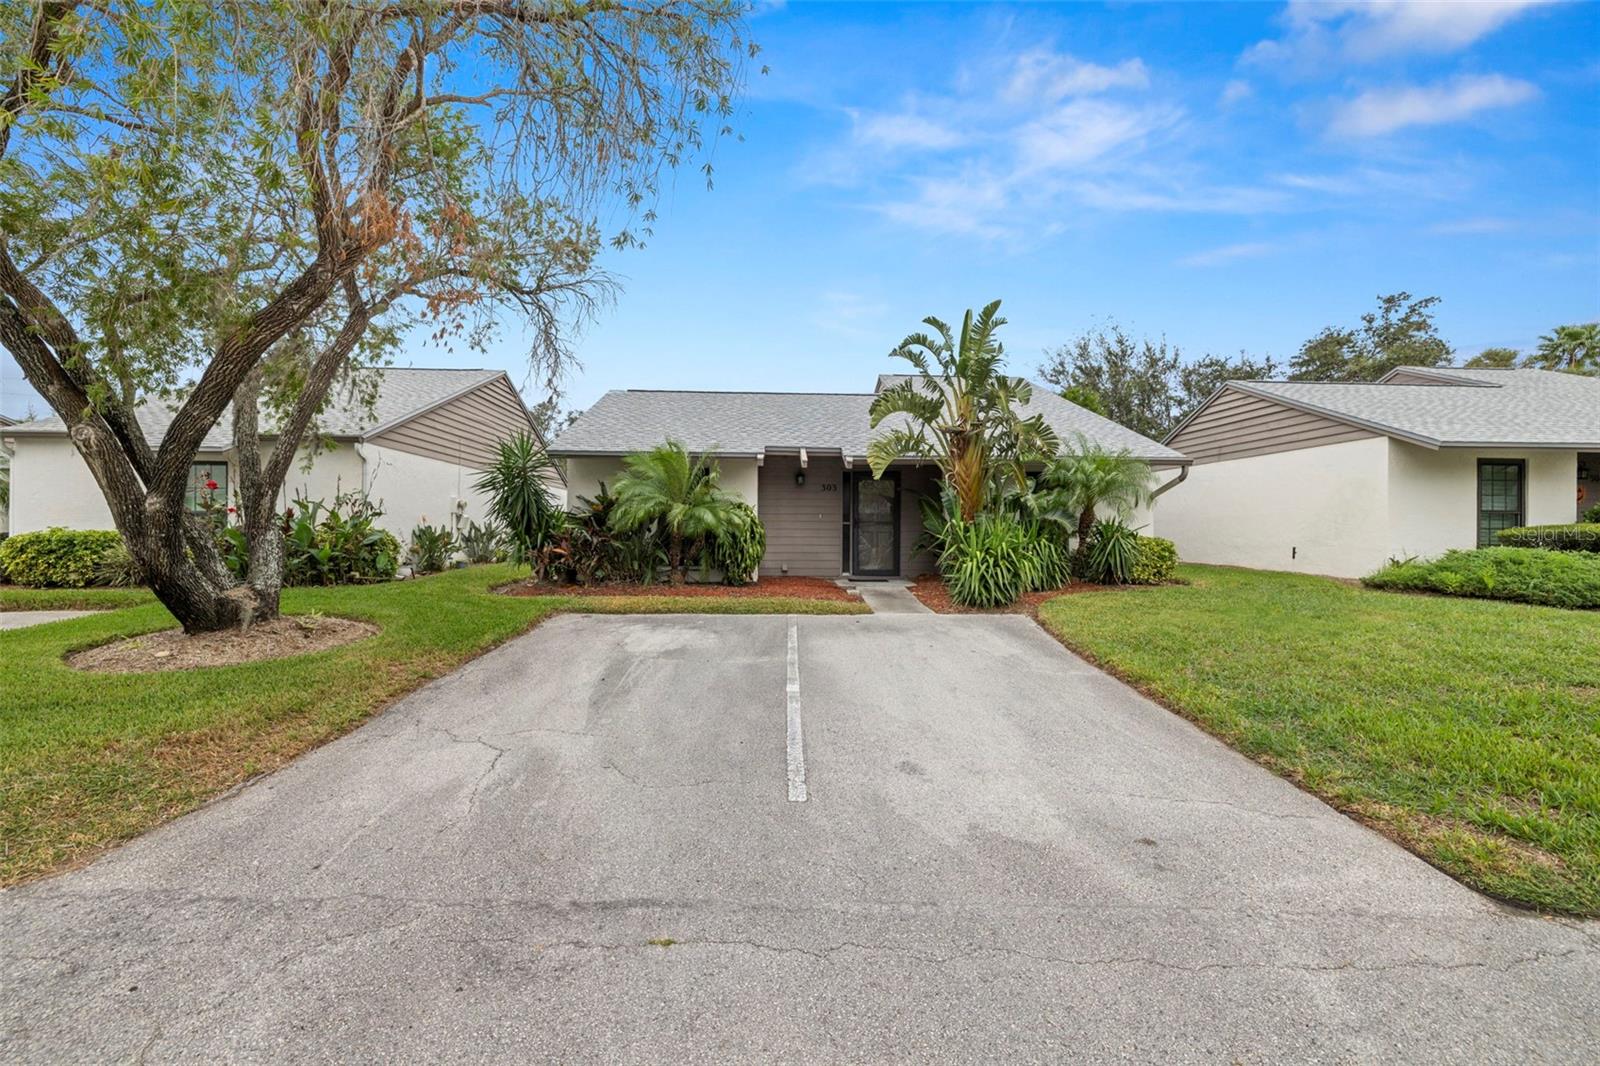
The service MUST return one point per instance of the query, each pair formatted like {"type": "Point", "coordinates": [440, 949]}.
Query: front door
{"type": "Point", "coordinates": [875, 538]}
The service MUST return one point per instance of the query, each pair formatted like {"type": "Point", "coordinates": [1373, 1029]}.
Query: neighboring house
{"type": "Point", "coordinates": [5, 483]}
{"type": "Point", "coordinates": [418, 449]}
{"type": "Point", "coordinates": [1336, 479]}
{"type": "Point", "coordinates": [800, 460]}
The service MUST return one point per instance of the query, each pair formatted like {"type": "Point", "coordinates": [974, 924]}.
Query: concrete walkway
{"type": "Point", "coordinates": [889, 597]}
{"type": "Point", "coordinates": [581, 848]}
{"type": "Point", "coordinates": [23, 619]}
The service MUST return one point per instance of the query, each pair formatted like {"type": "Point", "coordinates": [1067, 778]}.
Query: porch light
{"type": "Point", "coordinates": [799, 478]}
{"type": "Point", "coordinates": [1583, 471]}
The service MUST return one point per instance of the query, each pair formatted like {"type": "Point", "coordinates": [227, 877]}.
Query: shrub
{"type": "Point", "coordinates": [1575, 537]}
{"type": "Point", "coordinates": [982, 561]}
{"type": "Point", "coordinates": [483, 544]}
{"type": "Point", "coordinates": [4, 579]}
{"type": "Point", "coordinates": [324, 545]}
{"type": "Point", "coordinates": [1155, 561]}
{"type": "Point", "coordinates": [118, 569]}
{"type": "Point", "coordinates": [1527, 575]}
{"type": "Point", "coordinates": [1591, 515]}
{"type": "Point", "coordinates": [431, 548]}
{"type": "Point", "coordinates": [1113, 548]}
{"type": "Point", "coordinates": [56, 557]}
{"type": "Point", "coordinates": [737, 550]}
{"type": "Point", "coordinates": [519, 501]}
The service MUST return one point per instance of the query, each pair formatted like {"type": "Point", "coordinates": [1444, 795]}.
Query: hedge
{"type": "Point", "coordinates": [1155, 561]}
{"type": "Point", "coordinates": [1527, 575]}
{"type": "Point", "coordinates": [56, 557]}
{"type": "Point", "coordinates": [1576, 537]}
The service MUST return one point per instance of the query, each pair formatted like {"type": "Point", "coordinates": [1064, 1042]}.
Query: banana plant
{"type": "Point", "coordinates": [960, 412]}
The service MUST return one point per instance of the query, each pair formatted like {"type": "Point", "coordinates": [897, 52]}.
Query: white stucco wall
{"type": "Point", "coordinates": [333, 471]}
{"type": "Point", "coordinates": [1433, 494]}
{"type": "Point", "coordinates": [584, 474]}
{"type": "Point", "coordinates": [51, 486]}
{"type": "Point", "coordinates": [1314, 510]}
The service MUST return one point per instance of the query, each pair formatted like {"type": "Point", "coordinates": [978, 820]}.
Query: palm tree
{"type": "Point", "coordinates": [1574, 348]}
{"type": "Point", "coordinates": [666, 483]}
{"type": "Point", "coordinates": [960, 411]}
{"type": "Point", "coordinates": [1086, 477]}
{"type": "Point", "coordinates": [518, 499]}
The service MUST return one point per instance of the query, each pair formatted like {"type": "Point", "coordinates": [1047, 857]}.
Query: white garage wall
{"type": "Point", "coordinates": [333, 471]}
{"type": "Point", "coordinates": [1313, 510]}
{"type": "Point", "coordinates": [51, 486]}
{"type": "Point", "coordinates": [1433, 494]}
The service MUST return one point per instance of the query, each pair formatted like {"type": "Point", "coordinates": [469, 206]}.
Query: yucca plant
{"type": "Point", "coordinates": [1113, 551]}
{"type": "Point", "coordinates": [961, 411]}
{"type": "Point", "coordinates": [682, 492]}
{"type": "Point", "coordinates": [518, 499]}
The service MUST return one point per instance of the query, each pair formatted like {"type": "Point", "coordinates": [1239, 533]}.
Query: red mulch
{"type": "Point", "coordinates": [800, 588]}
{"type": "Point", "coordinates": [931, 590]}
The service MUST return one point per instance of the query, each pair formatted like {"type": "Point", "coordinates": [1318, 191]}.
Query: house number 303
{"type": "Point", "coordinates": [828, 486]}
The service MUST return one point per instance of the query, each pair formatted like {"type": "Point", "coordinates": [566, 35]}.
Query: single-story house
{"type": "Point", "coordinates": [800, 460]}
{"type": "Point", "coordinates": [1337, 478]}
{"type": "Point", "coordinates": [418, 449]}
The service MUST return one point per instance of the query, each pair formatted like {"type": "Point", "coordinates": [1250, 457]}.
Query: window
{"type": "Point", "coordinates": [201, 477]}
{"type": "Point", "coordinates": [1499, 497]}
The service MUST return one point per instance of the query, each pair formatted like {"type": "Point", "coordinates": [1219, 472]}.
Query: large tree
{"type": "Point", "coordinates": [1571, 348]}
{"type": "Point", "coordinates": [1400, 332]}
{"type": "Point", "coordinates": [1143, 384]}
{"type": "Point", "coordinates": [215, 201]}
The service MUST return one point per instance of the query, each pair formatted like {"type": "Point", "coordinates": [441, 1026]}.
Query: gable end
{"type": "Point", "coordinates": [1236, 425]}
{"type": "Point", "coordinates": [465, 430]}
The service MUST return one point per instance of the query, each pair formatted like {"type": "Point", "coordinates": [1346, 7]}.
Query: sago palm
{"type": "Point", "coordinates": [960, 411]}
{"type": "Point", "coordinates": [1085, 477]}
{"type": "Point", "coordinates": [683, 492]}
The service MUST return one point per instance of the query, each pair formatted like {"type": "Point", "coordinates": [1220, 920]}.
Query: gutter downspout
{"type": "Point", "coordinates": [1183, 474]}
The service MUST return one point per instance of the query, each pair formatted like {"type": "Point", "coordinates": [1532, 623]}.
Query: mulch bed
{"type": "Point", "coordinates": [172, 649]}
{"type": "Point", "coordinates": [931, 590]}
{"type": "Point", "coordinates": [800, 588]}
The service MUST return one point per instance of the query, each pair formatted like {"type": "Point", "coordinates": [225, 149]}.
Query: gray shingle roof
{"type": "Point", "coordinates": [1540, 408]}
{"type": "Point", "coordinates": [403, 392]}
{"type": "Point", "coordinates": [753, 423]}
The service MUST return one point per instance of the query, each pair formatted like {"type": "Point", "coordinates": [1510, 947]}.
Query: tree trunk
{"type": "Point", "coordinates": [675, 559]}
{"type": "Point", "coordinates": [1080, 555]}
{"type": "Point", "coordinates": [258, 512]}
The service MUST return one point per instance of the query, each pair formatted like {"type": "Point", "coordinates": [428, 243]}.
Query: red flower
{"type": "Point", "coordinates": [212, 485]}
{"type": "Point", "coordinates": [230, 510]}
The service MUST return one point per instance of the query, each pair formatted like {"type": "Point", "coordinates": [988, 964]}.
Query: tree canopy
{"type": "Point", "coordinates": [1400, 332]}
{"type": "Point", "coordinates": [1142, 384]}
{"type": "Point", "coordinates": [216, 200]}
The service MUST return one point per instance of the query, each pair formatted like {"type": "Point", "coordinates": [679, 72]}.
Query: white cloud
{"type": "Point", "coordinates": [1379, 111]}
{"type": "Point", "coordinates": [974, 204]}
{"type": "Point", "coordinates": [1366, 30]}
{"type": "Point", "coordinates": [1228, 253]}
{"type": "Point", "coordinates": [1237, 89]}
{"type": "Point", "coordinates": [1045, 76]}
{"type": "Point", "coordinates": [1081, 131]}
{"type": "Point", "coordinates": [904, 131]}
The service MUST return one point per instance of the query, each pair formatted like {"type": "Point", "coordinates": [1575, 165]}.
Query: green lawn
{"type": "Point", "coordinates": [87, 760]}
{"type": "Point", "coordinates": [1468, 730]}
{"type": "Point", "coordinates": [13, 598]}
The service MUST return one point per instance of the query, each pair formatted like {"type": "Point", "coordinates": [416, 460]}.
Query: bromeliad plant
{"type": "Point", "coordinates": [961, 412]}
{"type": "Point", "coordinates": [682, 493]}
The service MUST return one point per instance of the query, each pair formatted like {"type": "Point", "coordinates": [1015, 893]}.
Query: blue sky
{"type": "Point", "coordinates": [1233, 176]}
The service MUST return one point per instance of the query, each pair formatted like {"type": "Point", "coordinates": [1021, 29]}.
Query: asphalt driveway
{"type": "Point", "coordinates": [582, 847]}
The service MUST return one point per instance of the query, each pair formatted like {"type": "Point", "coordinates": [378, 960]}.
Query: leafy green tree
{"type": "Point", "coordinates": [1400, 332]}
{"type": "Point", "coordinates": [960, 411]}
{"type": "Point", "coordinates": [1085, 477]}
{"type": "Point", "coordinates": [684, 493]}
{"type": "Point", "coordinates": [1084, 397]}
{"type": "Point", "coordinates": [1571, 348]}
{"type": "Point", "coordinates": [208, 202]}
{"type": "Point", "coordinates": [1144, 385]}
{"type": "Point", "coordinates": [519, 500]}
{"type": "Point", "coordinates": [1494, 359]}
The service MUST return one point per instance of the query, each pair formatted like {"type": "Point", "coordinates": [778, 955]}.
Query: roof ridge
{"type": "Point", "coordinates": [742, 392]}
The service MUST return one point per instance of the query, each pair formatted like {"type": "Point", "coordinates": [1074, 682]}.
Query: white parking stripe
{"type": "Point", "coordinates": [795, 743]}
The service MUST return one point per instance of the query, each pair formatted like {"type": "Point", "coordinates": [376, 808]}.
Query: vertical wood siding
{"type": "Point", "coordinates": [804, 523]}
